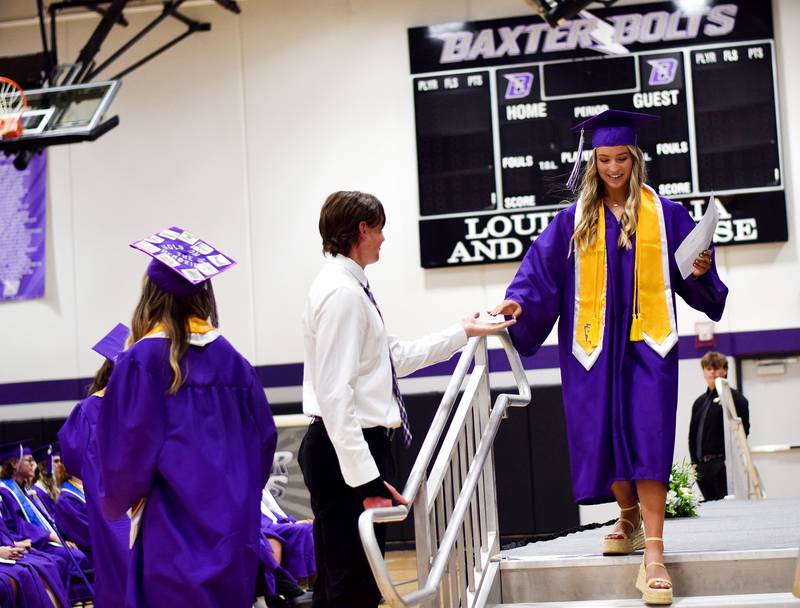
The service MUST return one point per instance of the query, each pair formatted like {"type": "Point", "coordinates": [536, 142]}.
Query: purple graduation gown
{"type": "Point", "coordinates": [71, 519]}
{"type": "Point", "coordinates": [109, 539]}
{"type": "Point", "coordinates": [620, 414]}
{"type": "Point", "coordinates": [29, 571]}
{"type": "Point", "coordinates": [20, 528]}
{"type": "Point", "coordinates": [298, 544]}
{"type": "Point", "coordinates": [200, 458]}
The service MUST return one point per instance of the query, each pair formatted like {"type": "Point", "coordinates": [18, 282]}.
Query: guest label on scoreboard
{"type": "Point", "coordinates": [494, 145]}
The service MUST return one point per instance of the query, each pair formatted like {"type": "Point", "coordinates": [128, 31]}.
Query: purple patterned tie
{"type": "Point", "coordinates": [406, 429]}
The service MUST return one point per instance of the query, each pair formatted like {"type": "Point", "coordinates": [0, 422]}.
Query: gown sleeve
{"type": "Point", "coordinates": [262, 414]}
{"type": "Point", "coordinates": [539, 283]}
{"type": "Point", "coordinates": [706, 293]}
{"type": "Point", "coordinates": [74, 440]}
{"type": "Point", "coordinates": [129, 435]}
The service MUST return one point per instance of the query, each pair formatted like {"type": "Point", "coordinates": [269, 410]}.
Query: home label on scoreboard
{"type": "Point", "coordinates": [494, 111]}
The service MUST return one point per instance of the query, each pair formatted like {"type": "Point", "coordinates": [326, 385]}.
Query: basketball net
{"type": "Point", "coordinates": [13, 104]}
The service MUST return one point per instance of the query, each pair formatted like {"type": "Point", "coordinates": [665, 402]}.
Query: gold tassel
{"type": "Point", "coordinates": [636, 329]}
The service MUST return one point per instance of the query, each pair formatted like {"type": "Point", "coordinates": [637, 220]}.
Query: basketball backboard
{"type": "Point", "coordinates": [64, 115]}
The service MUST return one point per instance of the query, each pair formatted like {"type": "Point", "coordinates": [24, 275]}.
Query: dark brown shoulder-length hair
{"type": "Point", "coordinates": [157, 306]}
{"type": "Point", "coordinates": [100, 380]}
{"type": "Point", "coordinates": [340, 216]}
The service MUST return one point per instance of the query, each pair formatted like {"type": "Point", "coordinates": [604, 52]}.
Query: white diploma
{"type": "Point", "coordinates": [698, 240]}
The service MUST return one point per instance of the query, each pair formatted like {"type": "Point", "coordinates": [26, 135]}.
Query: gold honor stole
{"type": "Point", "coordinates": [653, 319]}
{"type": "Point", "coordinates": [200, 334]}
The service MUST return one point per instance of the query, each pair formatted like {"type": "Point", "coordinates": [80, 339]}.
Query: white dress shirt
{"type": "Point", "coordinates": [347, 375]}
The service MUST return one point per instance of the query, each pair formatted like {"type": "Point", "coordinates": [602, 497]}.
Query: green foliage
{"type": "Point", "coordinates": [682, 497]}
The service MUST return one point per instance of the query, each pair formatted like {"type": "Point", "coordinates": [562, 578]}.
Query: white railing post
{"type": "Point", "coordinates": [490, 492]}
{"type": "Point", "coordinates": [423, 536]}
{"type": "Point", "coordinates": [452, 491]}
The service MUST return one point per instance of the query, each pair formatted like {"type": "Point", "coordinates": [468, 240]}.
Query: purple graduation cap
{"type": "Point", "coordinates": [609, 128]}
{"type": "Point", "coordinates": [15, 449]}
{"type": "Point", "coordinates": [46, 453]}
{"type": "Point", "coordinates": [181, 262]}
{"type": "Point", "coordinates": [113, 343]}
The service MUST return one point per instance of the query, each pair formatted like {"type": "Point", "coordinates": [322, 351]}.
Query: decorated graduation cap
{"type": "Point", "coordinates": [609, 128]}
{"type": "Point", "coordinates": [14, 450]}
{"type": "Point", "coordinates": [113, 343]}
{"type": "Point", "coordinates": [182, 262]}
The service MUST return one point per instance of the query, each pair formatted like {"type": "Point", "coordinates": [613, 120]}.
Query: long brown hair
{"type": "Point", "coordinates": [157, 306]}
{"type": "Point", "coordinates": [591, 196]}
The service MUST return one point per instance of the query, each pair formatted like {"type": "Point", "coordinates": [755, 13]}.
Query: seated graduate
{"type": "Point", "coordinates": [50, 567]}
{"type": "Point", "coordinates": [292, 541]}
{"type": "Point", "coordinates": [26, 517]}
{"type": "Point", "coordinates": [108, 539]}
{"type": "Point", "coordinates": [20, 583]}
{"type": "Point", "coordinates": [279, 588]}
{"type": "Point", "coordinates": [45, 483]}
{"type": "Point", "coordinates": [28, 578]}
{"type": "Point", "coordinates": [183, 410]}
{"type": "Point", "coordinates": [70, 514]}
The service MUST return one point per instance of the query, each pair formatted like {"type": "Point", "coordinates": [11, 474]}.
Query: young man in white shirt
{"type": "Point", "coordinates": [350, 389]}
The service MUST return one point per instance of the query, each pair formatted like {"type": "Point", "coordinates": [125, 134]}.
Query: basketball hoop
{"type": "Point", "coordinates": [13, 104]}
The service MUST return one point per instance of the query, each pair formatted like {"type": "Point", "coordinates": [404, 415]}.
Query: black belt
{"type": "Point", "coordinates": [388, 432]}
{"type": "Point", "coordinates": [710, 457]}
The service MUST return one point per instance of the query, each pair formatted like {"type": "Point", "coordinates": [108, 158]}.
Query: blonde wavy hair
{"type": "Point", "coordinates": [592, 192]}
{"type": "Point", "coordinates": [157, 306]}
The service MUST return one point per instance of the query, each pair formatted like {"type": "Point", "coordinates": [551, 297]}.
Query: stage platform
{"type": "Point", "coordinates": [736, 553]}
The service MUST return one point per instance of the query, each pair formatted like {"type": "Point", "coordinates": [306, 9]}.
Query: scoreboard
{"type": "Point", "coordinates": [495, 100]}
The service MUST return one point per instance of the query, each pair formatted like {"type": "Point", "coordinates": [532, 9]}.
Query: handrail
{"type": "Point", "coordinates": [743, 477]}
{"type": "Point", "coordinates": [452, 446]}
{"type": "Point", "coordinates": [774, 448]}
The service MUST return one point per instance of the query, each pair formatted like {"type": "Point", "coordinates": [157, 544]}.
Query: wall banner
{"type": "Point", "coordinates": [22, 229]}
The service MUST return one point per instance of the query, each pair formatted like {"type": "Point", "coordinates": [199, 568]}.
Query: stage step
{"type": "Point", "coordinates": [735, 549]}
{"type": "Point", "coordinates": [754, 600]}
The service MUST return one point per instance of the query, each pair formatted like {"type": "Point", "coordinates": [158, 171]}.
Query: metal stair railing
{"type": "Point", "coordinates": [455, 511]}
{"type": "Point", "coordinates": [744, 480]}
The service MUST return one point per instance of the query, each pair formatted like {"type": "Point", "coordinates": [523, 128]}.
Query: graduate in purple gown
{"type": "Point", "coordinates": [292, 540]}
{"type": "Point", "coordinates": [70, 515]}
{"type": "Point", "coordinates": [21, 583]}
{"type": "Point", "coordinates": [108, 539]}
{"type": "Point", "coordinates": [182, 413]}
{"type": "Point", "coordinates": [605, 269]}
{"type": "Point", "coordinates": [44, 479]}
{"type": "Point", "coordinates": [26, 518]}
{"type": "Point", "coordinates": [39, 553]}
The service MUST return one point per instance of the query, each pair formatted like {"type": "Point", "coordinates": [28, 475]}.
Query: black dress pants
{"type": "Point", "coordinates": [344, 578]}
{"type": "Point", "coordinates": [713, 479]}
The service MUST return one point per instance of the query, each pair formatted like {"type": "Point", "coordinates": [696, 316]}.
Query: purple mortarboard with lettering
{"type": "Point", "coordinates": [609, 128]}
{"type": "Point", "coordinates": [113, 343]}
{"type": "Point", "coordinates": [182, 262]}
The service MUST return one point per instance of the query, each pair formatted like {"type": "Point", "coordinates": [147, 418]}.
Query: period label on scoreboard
{"type": "Point", "coordinates": [494, 145]}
